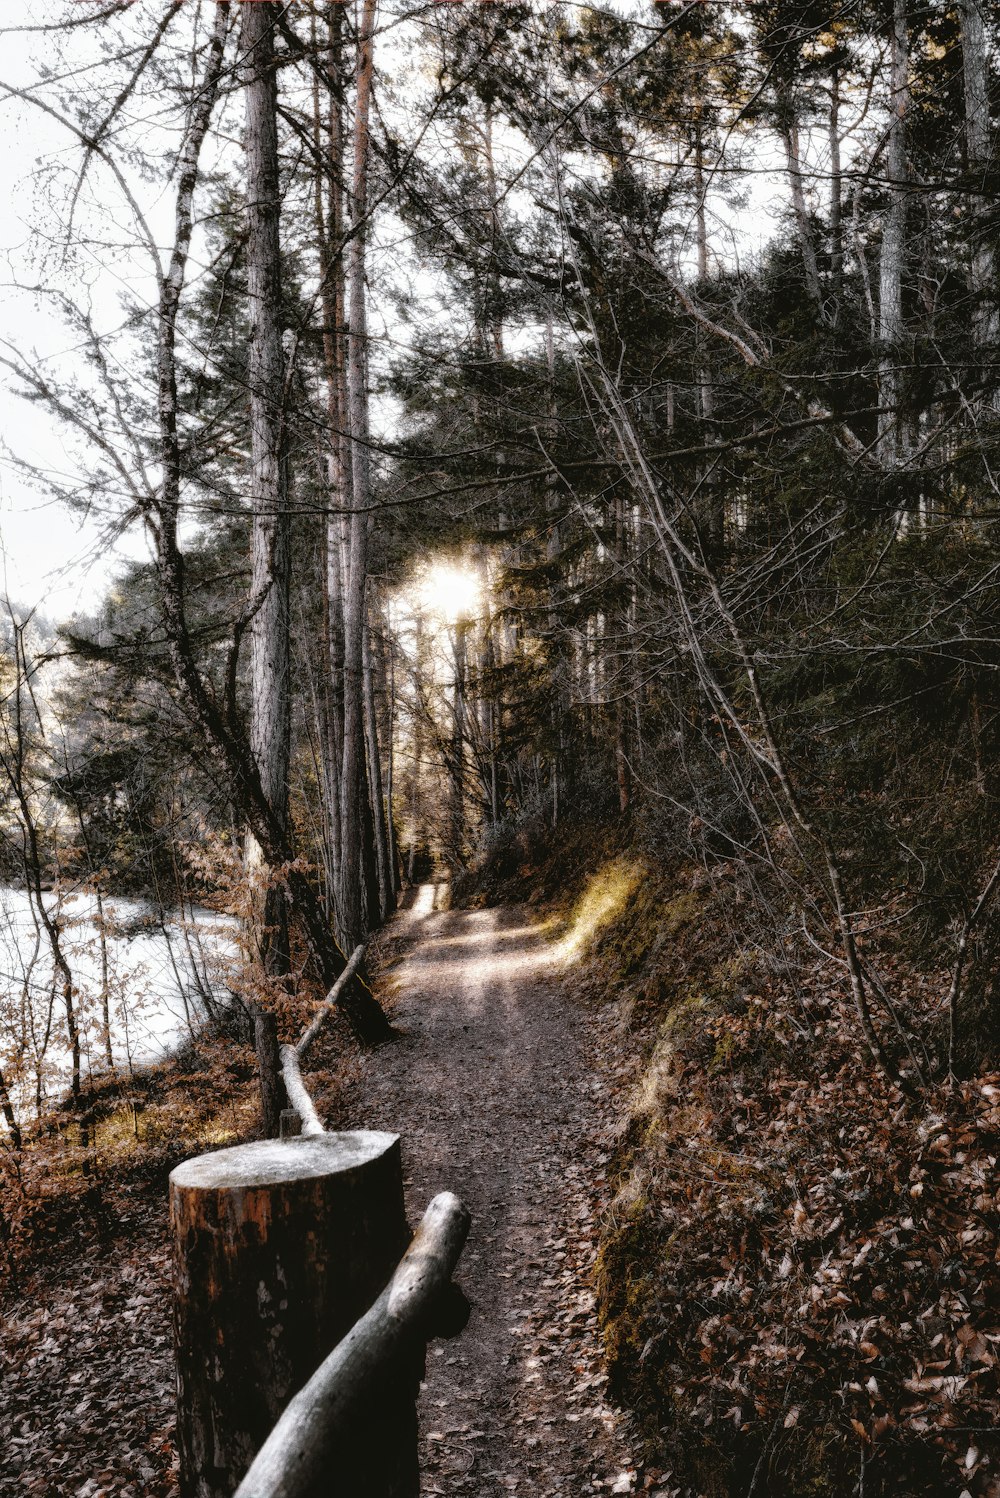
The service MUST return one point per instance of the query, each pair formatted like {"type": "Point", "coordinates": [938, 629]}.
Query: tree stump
{"type": "Point", "coordinates": [279, 1247]}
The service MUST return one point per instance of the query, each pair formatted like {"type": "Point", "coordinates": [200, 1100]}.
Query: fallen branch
{"type": "Point", "coordinates": [298, 1094]}
{"type": "Point", "coordinates": [329, 1003]}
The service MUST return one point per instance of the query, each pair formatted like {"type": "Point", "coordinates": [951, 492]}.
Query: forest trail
{"type": "Point", "coordinates": [490, 1091]}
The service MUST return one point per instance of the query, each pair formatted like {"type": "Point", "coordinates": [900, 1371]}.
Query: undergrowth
{"type": "Point", "coordinates": [60, 1197]}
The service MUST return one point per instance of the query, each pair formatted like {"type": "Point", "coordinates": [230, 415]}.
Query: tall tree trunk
{"type": "Point", "coordinates": [386, 879]}
{"type": "Point", "coordinates": [417, 741]}
{"type": "Point", "coordinates": [353, 793]}
{"type": "Point", "coordinates": [389, 693]}
{"type": "Point", "coordinates": [891, 425]}
{"type": "Point", "coordinates": [793, 161]}
{"type": "Point", "coordinates": [102, 937]}
{"type": "Point", "coordinates": [102, 929]}
{"type": "Point", "coordinates": [490, 708]}
{"type": "Point", "coordinates": [711, 511]}
{"type": "Point", "coordinates": [836, 194]}
{"type": "Point", "coordinates": [329, 215]}
{"type": "Point", "coordinates": [982, 265]}
{"type": "Point", "coordinates": [328, 738]}
{"type": "Point", "coordinates": [622, 672]}
{"type": "Point", "coordinates": [270, 715]}
{"type": "Point", "coordinates": [270, 733]}
{"type": "Point", "coordinates": [457, 818]}
{"type": "Point", "coordinates": [559, 697]}
{"type": "Point", "coordinates": [701, 222]}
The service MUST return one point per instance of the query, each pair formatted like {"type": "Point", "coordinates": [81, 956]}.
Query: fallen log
{"type": "Point", "coordinates": [292, 1055]}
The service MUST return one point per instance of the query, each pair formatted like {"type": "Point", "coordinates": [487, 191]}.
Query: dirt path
{"type": "Point", "coordinates": [490, 1092]}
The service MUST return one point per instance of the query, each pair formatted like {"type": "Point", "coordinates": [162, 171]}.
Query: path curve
{"type": "Point", "coordinates": [489, 1088]}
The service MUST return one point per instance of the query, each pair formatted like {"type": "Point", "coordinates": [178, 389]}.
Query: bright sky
{"type": "Point", "coordinates": [49, 558]}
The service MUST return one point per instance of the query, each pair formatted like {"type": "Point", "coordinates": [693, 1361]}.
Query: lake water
{"type": "Point", "coordinates": [160, 971]}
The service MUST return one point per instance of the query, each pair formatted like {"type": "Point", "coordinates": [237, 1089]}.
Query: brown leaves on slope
{"type": "Point", "coordinates": [800, 1271]}
{"type": "Point", "coordinates": [86, 1397]}
{"type": "Point", "coordinates": [88, 1383]}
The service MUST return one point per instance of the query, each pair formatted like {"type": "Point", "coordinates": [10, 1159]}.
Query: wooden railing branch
{"type": "Point", "coordinates": [298, 1093]}
{"type": "Point", "coordinates": [329, 1003]}
{"type": "Point", "coordinates": [293, 1055]}
{"type": "Point", "coordinates": [299, 1451]}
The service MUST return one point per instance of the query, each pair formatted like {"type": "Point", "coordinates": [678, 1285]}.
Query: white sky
{"type": "Point", "coordinates": [49, 558]}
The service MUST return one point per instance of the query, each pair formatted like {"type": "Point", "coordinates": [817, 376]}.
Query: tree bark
{"type": "Point", "coordinates": [793, 160]}
{"type": "Point", "coordinates": [836, 194]}
{"type": "Point", "coordinates": [711, 512]}
{"type": "Point", "coordinates": [270, 733]}
{"type": "Point", "coordinates": [975, 73]}
{"type": "Point", "coordinates": [386, 880]}
{"type": "Point", "coordinates": [457, 829]}
{"type": "Point", "coordinates": [273, 1098]}
{"type": "Point", "coordinates": [417, 750]}
{"type": "Point", "coordinates": [270, 711]}
{"type": "Point", "coordinates": [353, 791]}
{"type": "Point", "coordinates": [329, 214]}
{"type": "Point", "coordinates": [389, 689]}
{"type": "Point", "coordinates": [894, 246]}
{"type": "Point", "coordinates": [279, 1247]}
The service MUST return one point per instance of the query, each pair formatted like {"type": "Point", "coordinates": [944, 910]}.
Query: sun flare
{"type": "Point", "coordinates": [449, 590]}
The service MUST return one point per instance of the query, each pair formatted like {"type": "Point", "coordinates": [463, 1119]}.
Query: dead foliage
{"type": "Point", "coordinates": [798, 1275]}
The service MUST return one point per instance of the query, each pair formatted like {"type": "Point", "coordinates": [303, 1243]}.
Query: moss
{"type": "Point", "coordinates": [603, 912]}
{"type": "Point", "coordinates": [634, 943]}
{"type": "Point", "coordinates": [627, 1289]}
{"type": "Point", "coordinates": [722, 1057]}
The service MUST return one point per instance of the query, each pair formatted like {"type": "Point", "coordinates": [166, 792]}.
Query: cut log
{"type": "Point", "coordinates": [279, 1248]}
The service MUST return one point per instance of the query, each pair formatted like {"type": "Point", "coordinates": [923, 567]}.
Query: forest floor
{"type": "Point", "coordinates": [492, 1085]}
{"type": "Point", "coordinates": [502, 1083]}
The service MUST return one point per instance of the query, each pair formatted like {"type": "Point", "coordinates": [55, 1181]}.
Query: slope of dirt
{"type": "Point", "coordinates": [490, 1088]}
